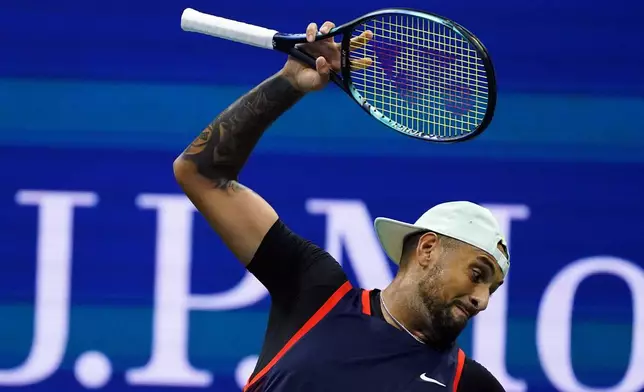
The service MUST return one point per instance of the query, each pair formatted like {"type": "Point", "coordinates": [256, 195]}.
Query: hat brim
{"type": "Point", "coordinates": [391, 234]}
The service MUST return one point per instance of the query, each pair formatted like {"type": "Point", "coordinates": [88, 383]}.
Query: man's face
{"type": "Point", "coordinates": [456, 286]}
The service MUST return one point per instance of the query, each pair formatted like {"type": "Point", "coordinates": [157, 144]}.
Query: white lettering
{"type": "Point", "coordinates": [555, 318]}
{"type": "Point", "coordinates": [489, 337]}
{"type": "Point", "coordinates": [349, 229]}
{"type": "Point", "coordinates": [53, 275]}
{"type": "Point", "coordinates": [349, 223]}
{"type": "Point", "coordinates": [244, 370]}
{"type": "Point", "coordinates": [169, 364]}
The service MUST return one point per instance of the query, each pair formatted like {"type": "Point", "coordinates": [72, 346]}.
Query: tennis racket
{"type": "Point", "coordinates": [420, 74]}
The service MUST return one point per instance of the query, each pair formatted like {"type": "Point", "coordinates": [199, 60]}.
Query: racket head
{"type": "Point", "coordinates": [429, 77]}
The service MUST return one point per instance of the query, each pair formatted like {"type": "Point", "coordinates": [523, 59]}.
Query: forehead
{"type": "Point", "coordinates": [476, 255]}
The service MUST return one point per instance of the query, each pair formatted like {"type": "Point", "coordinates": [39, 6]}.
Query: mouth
{"type": "Point", "coordinates": [463, 310]}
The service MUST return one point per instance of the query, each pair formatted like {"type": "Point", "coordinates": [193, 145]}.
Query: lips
{"type": "Point", "coordinates": [466, 311]}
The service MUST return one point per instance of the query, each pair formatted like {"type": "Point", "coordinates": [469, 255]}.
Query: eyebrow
{"type": "Point", "coordinates": [488, 264]}
{"type": "Point", "coordinates": [485, 261]}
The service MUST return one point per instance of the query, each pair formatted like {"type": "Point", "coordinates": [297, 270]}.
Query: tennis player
{"type": "Point", "coordinates": [323, 333]}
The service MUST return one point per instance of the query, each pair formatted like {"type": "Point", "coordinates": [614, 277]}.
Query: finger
{"type": "Point", "coordinates": [326, 27]}
{"type": "Point", "coordinates": [361, 40]}
{"type": "Point", "coordinates": [311, 31]}
{"type": "Point", "coordinates": [322, 66]}
{"type": "Point", "coordinates": [360, 64]}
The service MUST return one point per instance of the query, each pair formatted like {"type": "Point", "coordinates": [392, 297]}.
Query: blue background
{"type": "Point", "coordinates": [101, 96]}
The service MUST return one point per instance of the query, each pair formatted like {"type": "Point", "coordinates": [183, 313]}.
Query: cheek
{"type": "Point", "coordinates": [458, 285]}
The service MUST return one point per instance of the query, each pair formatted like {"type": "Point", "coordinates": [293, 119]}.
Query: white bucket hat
{"type": "Point", "coordinates": [461, 220]}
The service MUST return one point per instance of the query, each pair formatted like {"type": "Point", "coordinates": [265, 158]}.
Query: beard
{"type": "Point", "coordinates": [443, 328]}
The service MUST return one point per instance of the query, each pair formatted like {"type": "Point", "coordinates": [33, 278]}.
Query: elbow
{"type": "Point", "coordinates": [183, 170]}
{"type": "Point", "coordinates": [189, 175]}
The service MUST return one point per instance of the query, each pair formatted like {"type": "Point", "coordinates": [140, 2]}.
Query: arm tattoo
{"type": "Point", "coordinates": [221, 150]}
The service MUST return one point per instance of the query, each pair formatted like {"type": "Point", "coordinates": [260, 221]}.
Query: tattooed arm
{"type": "Point", "coordinates": [209, 167]}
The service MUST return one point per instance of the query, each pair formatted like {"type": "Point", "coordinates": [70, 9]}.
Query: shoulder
{"type": "Point", "coordinates": [476, 377]}
{"type": "Point", "coordinates": [282, 243]}
{"type": "Point", "coordinates": [289, 265]}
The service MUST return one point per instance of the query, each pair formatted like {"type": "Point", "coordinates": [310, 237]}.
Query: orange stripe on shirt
{"type": "Point", "coordinates": [366, 302]}
{"type": "Point", "coordinates": [459, 369]}
{"type": "Point", "coordinates": [310, 323]}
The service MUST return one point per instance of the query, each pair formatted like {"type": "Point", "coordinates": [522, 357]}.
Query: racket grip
{"type": "Point", "coordinates": [199, 22]}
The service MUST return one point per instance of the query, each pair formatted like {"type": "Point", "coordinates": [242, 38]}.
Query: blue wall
{"type": "Point", "coordinates": [96, 100]}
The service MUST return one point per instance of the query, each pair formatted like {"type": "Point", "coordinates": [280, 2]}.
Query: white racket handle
{"type": "Point", "coordinates": [199, 22]}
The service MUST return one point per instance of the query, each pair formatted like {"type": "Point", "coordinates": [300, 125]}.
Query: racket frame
{"type": "Point", "coordinates": [288, 43]}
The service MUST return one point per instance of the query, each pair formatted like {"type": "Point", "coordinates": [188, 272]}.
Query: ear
{"type": "Point", "coordinates": [427, 244]}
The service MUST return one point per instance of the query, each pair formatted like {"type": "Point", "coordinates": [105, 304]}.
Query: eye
{"type": "Point", "coordinates": [476, 275]}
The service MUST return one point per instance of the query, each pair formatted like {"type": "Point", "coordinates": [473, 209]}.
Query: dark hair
{"type": "Point", "coordinates": [410, 242]}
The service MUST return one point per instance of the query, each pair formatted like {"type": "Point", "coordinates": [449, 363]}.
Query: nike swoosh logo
{"type": "Point", "coordinates": [428, 379]}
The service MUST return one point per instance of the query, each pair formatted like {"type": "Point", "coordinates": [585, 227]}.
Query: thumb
{"type": "Point", "coordinates": [322, 66]}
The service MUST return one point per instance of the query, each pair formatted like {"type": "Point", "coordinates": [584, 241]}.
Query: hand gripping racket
{"type": "Point", "coordinates": [416, 72]}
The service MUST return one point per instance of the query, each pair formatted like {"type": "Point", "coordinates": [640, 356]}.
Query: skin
{"type": "Point", "coordinates": [440, 286]}
{"type": "Point", "coordinates": [208, 169]}
{"type": "Point", "coordinates": [435, 279]}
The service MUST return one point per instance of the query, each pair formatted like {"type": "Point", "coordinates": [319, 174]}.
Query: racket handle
{"type": "Point", "coordinates": [199, 22]}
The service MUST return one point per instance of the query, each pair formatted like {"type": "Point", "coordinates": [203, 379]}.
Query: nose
{"type": "Point", "coordinates": [480, 298]}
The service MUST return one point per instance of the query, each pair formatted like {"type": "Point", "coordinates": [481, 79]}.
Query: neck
{"type": "Point", "coordinates": [399, 309]}
{"type": "Point", "coordinates": [402, 306]}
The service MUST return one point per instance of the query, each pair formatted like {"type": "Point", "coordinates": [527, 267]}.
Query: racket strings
{"type": "Point", "coordinates": [450, 98]}
{"type": "Point", "coordinates": [452, 84]}
{"type": "Point", "coordinates": [413, 77]}
{"type": "Point", "coordinates": [466, 54]}
{"type": "Point", "coordinates": [419, 62]}
{"type": "Point", "coordinates": [428, 90]}
{"type": "Point", "coordinates": [422, 75]}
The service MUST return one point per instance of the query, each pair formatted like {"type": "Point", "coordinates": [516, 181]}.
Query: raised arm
{"type": "Point", "coordinates": [208, 169]}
